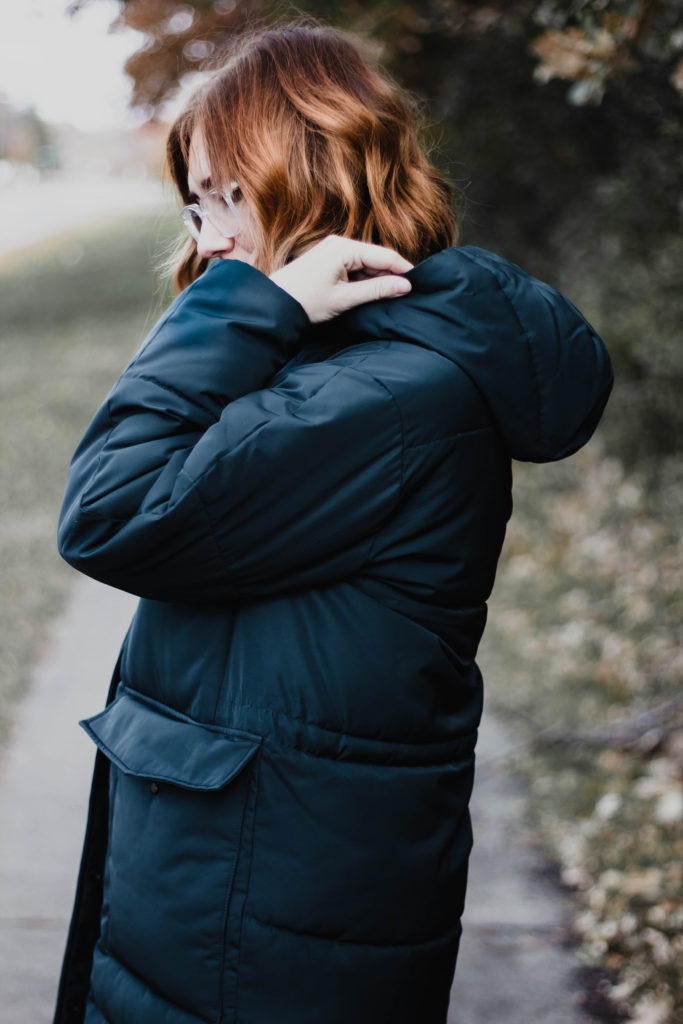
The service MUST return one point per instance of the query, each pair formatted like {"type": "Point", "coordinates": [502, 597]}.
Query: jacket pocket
{"type": "Point", "coordinates": [179, 798]}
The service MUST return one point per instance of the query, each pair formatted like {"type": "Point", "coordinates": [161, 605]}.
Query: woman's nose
{"type": "Point", "coordinates": [212, 243]}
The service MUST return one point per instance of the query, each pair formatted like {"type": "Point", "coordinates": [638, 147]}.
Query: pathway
{"type": "Point", "coordinates": [515, 966]}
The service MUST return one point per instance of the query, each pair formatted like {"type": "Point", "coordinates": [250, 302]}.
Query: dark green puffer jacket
{"type": "Point", "coordinates": [311, 516]}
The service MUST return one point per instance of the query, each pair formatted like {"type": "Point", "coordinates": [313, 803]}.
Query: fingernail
{"type": "Point", "coordinates": [402, 286]}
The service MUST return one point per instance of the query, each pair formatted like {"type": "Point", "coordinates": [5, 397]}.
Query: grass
{"type": "Point", "coordinates": [73, 312]}
{"type": "Point", "coordinates": [584, 656]}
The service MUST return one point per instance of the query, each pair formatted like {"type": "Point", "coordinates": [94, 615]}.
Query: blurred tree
{"type": "Point", "coordinates": [562, 125]}
{"type": "Point", "coordinates": [179, 37]}
{"type": "Point", "coordinates": [586, 42]}
{"type": "Point", "coordinates": [24, 136]}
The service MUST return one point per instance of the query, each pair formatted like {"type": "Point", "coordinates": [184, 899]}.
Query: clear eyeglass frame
{"type": "Point", "coordinates": [218, 206]}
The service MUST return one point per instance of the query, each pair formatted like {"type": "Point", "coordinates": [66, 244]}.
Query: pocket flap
{"type": "Point", "coordinates": [141, 740]}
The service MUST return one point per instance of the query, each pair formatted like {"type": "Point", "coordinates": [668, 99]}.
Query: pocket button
{"type": "Point", "coordinates": [154, 788]}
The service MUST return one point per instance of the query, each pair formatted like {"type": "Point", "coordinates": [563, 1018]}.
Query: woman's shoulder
{"type": "Point", "coordinates": [433, 396]}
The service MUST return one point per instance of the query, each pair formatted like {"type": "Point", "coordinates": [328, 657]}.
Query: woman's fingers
{"type": "Point", "coordinates": [353, 293]}
{"type": "Point", "coordinates": [358, 255]}
{"type": "Point", "coordinates": [338, 273]}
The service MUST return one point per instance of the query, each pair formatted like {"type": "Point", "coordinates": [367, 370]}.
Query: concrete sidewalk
{"type": "Point", "coordinates": [514, 967]}
{"type": "Point", "coordinates": [517, 964]}
{"type": "Point", "coordinates": [44, 788]}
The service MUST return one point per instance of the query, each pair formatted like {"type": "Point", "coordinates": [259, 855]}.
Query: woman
{"type": "Point", "coordinates": [304, 474]}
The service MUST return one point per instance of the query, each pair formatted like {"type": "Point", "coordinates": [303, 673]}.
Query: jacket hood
{"type": "Point", "coordinates": [539, 365]}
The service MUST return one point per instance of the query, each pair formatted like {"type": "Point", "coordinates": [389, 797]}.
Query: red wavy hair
{"type": "Point", "coordinates": [320, 141]}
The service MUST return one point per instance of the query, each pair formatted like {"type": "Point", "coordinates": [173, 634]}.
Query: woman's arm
{"type": "Point", "coordinates": [196, 482]}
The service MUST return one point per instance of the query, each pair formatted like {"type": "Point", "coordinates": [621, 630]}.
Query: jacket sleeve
{"type": "Point", "coordinates": [197, 482]}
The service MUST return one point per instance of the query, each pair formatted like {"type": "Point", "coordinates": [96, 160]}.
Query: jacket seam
{"type": "Point", "coordinates": [96, 513]}
{"type": "Point", "coordinates": [452, 437]}
{"type": "Point", "coordinates": [374, 539]}
{"type": "Point", "coordinates": [196, 481]}
{"type": "Point", "coordinates": [124, 965]}
{"type": "Point", "coordinates": [435, 940]}
{"type": "Point", "coordinates": [525, 333]}
{"type": "Point", "coordinates": [453, 758]}
{"type": "Point", "coordinates": [343, 732]}
{"type": "Point", "coordinates": [255, 785]}
{"type": "Point", "coordinates": [194, 488]}
{"type": "Point", "coordinates": [230, 892]}
{"type": "Point", "coordinates": [128, 374]}
{"type": "Point", "coordinates": [223, 454]}
{"type": "Point", "coordinates": [246, 734]}
{"type": "Point", "coordinates": [151, 379]}
{"type": "Point", "coordinates": [399, 415]}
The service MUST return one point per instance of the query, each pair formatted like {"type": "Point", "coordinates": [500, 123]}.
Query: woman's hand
{"type": "Point", "coordinates": [339, 273]}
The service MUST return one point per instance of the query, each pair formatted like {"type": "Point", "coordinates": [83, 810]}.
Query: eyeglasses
{"type": "Point", "coordinates": [218, 206]}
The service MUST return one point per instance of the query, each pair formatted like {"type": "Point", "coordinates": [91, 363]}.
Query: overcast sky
{"type": "Point", "coordinates": [69, 68]}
